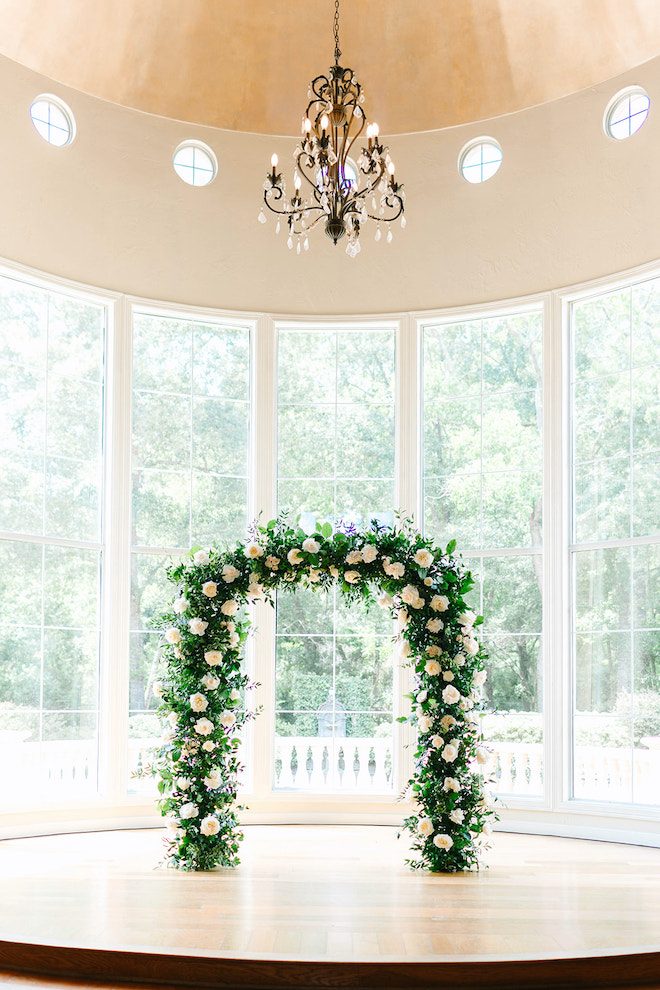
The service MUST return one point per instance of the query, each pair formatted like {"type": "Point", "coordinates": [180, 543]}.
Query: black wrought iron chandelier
{"type": "Point", "coordinates": [341, 193]}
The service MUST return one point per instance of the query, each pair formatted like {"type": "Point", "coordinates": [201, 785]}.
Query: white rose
{"type": "Point", "coordinates": [182, 783]}
{"type": "Point", "coordinates": [439, 603]}
{"type": "Point", "coordinates": [432, 668]}
{"type": "Point", "coordinates": [466, 618]}
{"type": "Point", "coordinates": [460, 659]}
{"type": "Point", "coordinates": [334, 571]}
{"type": "Point", "coordinates": [448, 722]}
{"type": "Point", "coordinates": [479, 678]}
{"type": "Point", "coordinates": [213, 780]}
{"type": "Point", "coordinates": [234, 640]}
{"type": "Point", "coordinates": [457, 816]}
{"type": "Point", "coordinates": [230, 573]}
{"type": "Point", "coordinates": [396, 570]}
{"type": "Point", "coordinates": [354, 557]}
{"type": "Point", "coordinates": [209, 826]}
{"type": "Point", "coordinates": [179, 605]}
{"type": "Point", "coordinates": [424, 723]}
{"type": "Point", "coordinates": [423, 558]}
{"type": "Point", "coordinates": [213, 657]}
{"type": "Point", "coordinates": [437, 742]}
{"type": "Point", "coordinates": [447, 675]}
{"type": "Point", "coordinates": [351, 577]}
{"type": "Point", "coordinates": [471, 646]}
{"type": "Point", "coordinates": [433, 650]}
{"type": "Point", "coordinates": [201, 557]}
{"type": "Point", "coordinates": [409, 594]}
{"type": "Point", "coordinates": [188, 811]}
{"type": "Point", "coordinates": [198, 702]}
{"type": "Point", "coordinates": [419, 602]}
{"type": "Point", "coordinates": [210, 589]}
{"type": "Point", "coordinates": [483, 756]}
{"type": "Point", "coordinates": [204, 726]}
{"type": "Point", "coordinates": [227, 719]}
{"type": "Point", "coordinates": [402, 616]}
{"type": "Point", "coordinates": [385, 600]}
{"type": "Point", "coordinates": [405, 649]}
{"type": "Point", "coordinates": [451, 784]}
{"type": "Point", "coordinates": [272, 563]}
{"type": "Point", "coordinates": [229, 626]}
{"type": "Point", "coordinates": [230, 607]}
{"type": "Point", "coordinates": [157, 689]}
{"type": "Point", "coordinates": [252, 550]}
{"type": "Point", "coordinates": [197, 626]}
{"type": "Point", "coordinates": [443, 841]}
{"type": "Point", "coordinates": [450, 695]}
{"type": "Point", "coordinates": [294, 557]}
{"type": "Point", "coordinates": [209, 745]}
{"type": "Point", "coordinates": [486, 829]}
{"type": "Point", "coordinates": [314, 575]}
{"type": "Point", "coordinates": [234, 695]}
{"type": "Point", "coordinates": [428, 581]}
{"type": "Point", "coordinates": [310, 545]}
{"type": "Point", "coordinates": [425, 826]}
{"type": "Point", "coordinates": [435, 625]}
{"type": "Point", "coordinates": [173, 636]}
{"type": "Point", "coordinates": [422, 696]}
{"type": "Point", "coordinates": [173, 719]}
{"type": "Point", "coordinates": [254, 590]}
{"type": "Point", "coordinates": [466, 704]}
{"type": "Point", "coordinates": [449, 753]}
{"type": "Point", "coordinates": [210, 682]}
{"type": "Point", "coordinates": [369, 553]}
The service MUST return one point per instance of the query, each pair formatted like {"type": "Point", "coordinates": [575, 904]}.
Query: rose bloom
{"type": "Point", "coordinates": [409, 594]}
{"type": "Point", "coordinates": [210, 589]}
{"type": "Point", "coordinates": [450, 695]}
{"type": "Point", "coordinates": [354, 557]}
{"type": "Point", "coordinates": [432, 667]}
{"type": "Point", "coordinates": [204, 726]}
{"type": "Point", "coordinates": [180, 604]}
{"type": "Point", "coordinates": [443, 841]}
{"type": "Point", "coordinates": [334, 571]}
{"type": "Point", "coordinates": [466, 704]}
{"type": "Point", "coordinates": [272, 563]}
{"type": "Point", "coordinates": [449, 753]}
{"type": "Point", "coordinates": [451, 784]}
{"type": "Point", "coordinates": [479, 678]}
{"type": "Point", "coordinates": [209, 826]}
{"type": "Point", "coordinates": [433, 650]}
{"type": "Point", "coordinates": [234, 695]}
{"type": "Point", "coordinates": [173, 636]}
{"type": "Point", "coordinates": [173, 719]}
{"type": "Point", "coordinates": [419, 602]}
{"type": "Point", "coordinates": [198, 702]}
{"type": "Point", "coordinates": [422, 696]}
{"type": "Point", "coordinates": [486, 829]}
{"type": "Point", "coordinates": [310, 545]}
{"type": "Point", "coordinates": [351, 577]}
{"type": "Point", "coordinates": [210, 682]}
{"type": "Point", "coordinates": [314, 575]}
{"type": "Point", "coordinates": [182, 783]}
{"type": "Point", "coordinates": [471, 646]}
{"type": "Point", "coordinates": [424, 723]}
{"type": "Point", "coordinates": [254, 590]}
{"type": "Point", "coordinates": [294, 557]}
{"type": "Point", "coordinates": [396, 569]}
{"type": "Point", "coordinates": [405, 649]}
{"type": "Point", "coordinates": [213, 780]}
{"type": "Point", "coordinates": [230, 573]}
{"type": "Point", "coordinates": [423, 558]}
{"type": "Point", "coordinates": [437, 742]}
{"type": "Point", "coordinates": [369, 553]}
{"type": "Point", "coordinates": [229, 625]}
{"type": "Point", "coordinates": [227, 719]}
{"type": "Point", "coordinates": [425, 826]}
{"type": "Point", "coordinates": [402, 616]}
{"type": "Point", "coordinates": [209, 745]}
{"type": "Point", "coordinates": [213, 657]}
{"type": "Point", "coordinates": [230, 607]}
{"type": "Point", "coordinates": [457, 816]}
{"type": "Point", "coordinates": [157, 689]}
{"type": "Point", "coordinates": [448, 722]}
{"type": "Point", "coordinates": [439, 603]}
{"type": "Point", "coordinates": [435, 625]}
{"type": "Point", "coordinates": [385, 600]}
{"type": "Point", "coordinates": [466, 618]}
{"type": "Point", "coordinates": [234, 640]}
{"type": "Point", "coordinates": [447, 675]}
{"type": "Point", "coordinates": [428, 581]}
{"type": "Point", "coordinates": [252, 550]}
{"type": "Point", "coordinates": [201, 557]}
{"type": "Point", "coordinates": [197, 626]}
{"type": "Point", "coordinates": [483, 756]}
{"type": "Point", "coordinates": [459, 659]}
{"type": "Point", "coordinates": [189, 810]}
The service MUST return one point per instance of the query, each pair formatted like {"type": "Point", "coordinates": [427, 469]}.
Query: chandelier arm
{"type": "Point", "coordinates": [288, 210]}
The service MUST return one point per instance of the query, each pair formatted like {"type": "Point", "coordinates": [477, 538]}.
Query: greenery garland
{"type": "Point", "coordinates": [203, 685]}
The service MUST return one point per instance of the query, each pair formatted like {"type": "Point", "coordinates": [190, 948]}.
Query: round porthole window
{"type": "Point", "coordinates": [195, 163]}
{"type": "Point", "coordinates": [53, 120]}
{"type": "Point", "coordinates": [626, 112]}
{"type": "Point", "coordinates": [479, 159]}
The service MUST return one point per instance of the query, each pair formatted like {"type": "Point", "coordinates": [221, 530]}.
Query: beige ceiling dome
{"type": "Point", "coordinates": [246, 64]}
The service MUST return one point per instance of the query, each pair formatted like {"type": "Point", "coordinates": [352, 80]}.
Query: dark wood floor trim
{"type": "Point", "coordinates": [635, 971]}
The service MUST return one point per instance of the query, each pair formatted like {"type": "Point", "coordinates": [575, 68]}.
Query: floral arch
{"type": "Point", "coordinates": [202, 687]}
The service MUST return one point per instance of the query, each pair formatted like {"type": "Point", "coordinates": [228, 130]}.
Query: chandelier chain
{"type": "Point", "coordinates": [336, 28]}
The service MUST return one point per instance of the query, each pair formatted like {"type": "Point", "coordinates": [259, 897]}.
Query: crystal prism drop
{"type": "Point", "coordinates": [262, 217]}
{"type": "Point", "coordinates": [306, 243]}
{"type": "Point", "coordinates": [403, 222]}
{"type": "Point", "coordinates": [389, 237]}
{"type": "Point", "coordinates": [289, 243]}
{"type": "Point", "coordinates": [278, 228]}
{"type": "Point", "coordinates": [377, 237]}
{"type": "Point", "coordinates": [298, 247]}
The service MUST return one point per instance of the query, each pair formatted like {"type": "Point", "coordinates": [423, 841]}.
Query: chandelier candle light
{"type": "Point", "coordinates": [340, 193]}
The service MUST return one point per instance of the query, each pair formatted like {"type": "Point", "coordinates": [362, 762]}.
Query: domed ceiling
{"type": "Point", "coordinates": [246, 64]}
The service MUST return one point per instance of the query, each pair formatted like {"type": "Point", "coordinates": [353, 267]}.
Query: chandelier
{"type": "Point", "coordinates": [339, 193]}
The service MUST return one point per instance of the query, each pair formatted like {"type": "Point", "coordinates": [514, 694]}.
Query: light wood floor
{"type": "Point", "coordinates": [332, 893]}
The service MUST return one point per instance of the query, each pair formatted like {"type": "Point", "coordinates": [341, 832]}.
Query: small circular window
{"type": "Point", "coordinates": [480, 159]}
{"type": "Point", "coordinates": [53, 120]}
{"type": "Point", "coordinates": [195, 163]}
{"type": "Point", "coordinates": [626, 112]}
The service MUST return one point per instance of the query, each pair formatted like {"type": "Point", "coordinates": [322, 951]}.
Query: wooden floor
{"type": "Point", "coordinates": [332, 903]}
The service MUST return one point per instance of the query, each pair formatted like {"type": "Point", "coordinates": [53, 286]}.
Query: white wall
{"type": "Point", "coordinates": [568, 205]}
